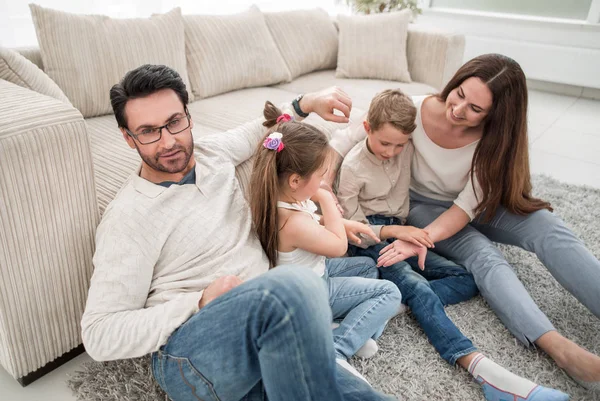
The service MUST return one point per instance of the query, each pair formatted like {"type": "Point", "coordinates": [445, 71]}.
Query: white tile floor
{"type": "Point", "coordinates": [565, 144]}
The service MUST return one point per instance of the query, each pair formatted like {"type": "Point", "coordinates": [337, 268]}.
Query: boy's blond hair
{"type": "Point", "coordinates": [392, 106]}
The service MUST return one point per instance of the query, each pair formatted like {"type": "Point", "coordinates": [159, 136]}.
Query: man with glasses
{"type": "Point", "coordinates": [178, 272]}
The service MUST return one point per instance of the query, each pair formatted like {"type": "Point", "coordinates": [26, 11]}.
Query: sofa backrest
{"type": "Point", "coordinates": [433, 56]}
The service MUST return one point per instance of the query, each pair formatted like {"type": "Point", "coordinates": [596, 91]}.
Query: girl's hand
{"type": "Point", "coordinates": [414, 235]}
{"type": "Point", "coordinates": [400, 250]}
{"type": "Point", "coordinates": [328, 188]}
{"type": "Point", "coordinates": [322, 195]}
{"type": "Point", "coordinates": [354, 228]}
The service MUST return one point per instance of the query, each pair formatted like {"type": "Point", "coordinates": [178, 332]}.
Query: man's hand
{"type": "Point", "coordinates": [414, 235]}
{"type": "Point", "coordinates": [400, 250]}
{"type": "Point", "coordinates": [354, 228]}
{"type": "Point", "coordinates": [325, 102]}
{"type": "Point", "coordinates": [217, 288]}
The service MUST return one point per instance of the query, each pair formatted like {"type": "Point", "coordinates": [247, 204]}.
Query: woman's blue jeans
{"type": "Point", "coordinates": [542, 232]}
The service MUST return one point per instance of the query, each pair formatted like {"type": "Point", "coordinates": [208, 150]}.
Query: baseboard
{"type": "Point", "coordinates": [564, 89]}
{"type": "Point", "coordinates": [50, 366]}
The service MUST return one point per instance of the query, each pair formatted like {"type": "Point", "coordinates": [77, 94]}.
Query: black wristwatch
{"type": "Point", "coordinates": [297, 109]}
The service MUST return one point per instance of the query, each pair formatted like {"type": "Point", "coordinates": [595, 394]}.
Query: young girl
{"type": "Point", "coordinates": [285, 183]}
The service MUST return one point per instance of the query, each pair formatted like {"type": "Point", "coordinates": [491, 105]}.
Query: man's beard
{"type": "Point", "coordinates": [171, 168]}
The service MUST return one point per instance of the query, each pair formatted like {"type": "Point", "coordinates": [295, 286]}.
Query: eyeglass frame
{"type": "Point", "coordinates": [160, 128]}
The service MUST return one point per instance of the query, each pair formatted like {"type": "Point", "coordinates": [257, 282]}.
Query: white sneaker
{"type": "Point", "coordinates": [402, 309]}
{"type": "Point", "coordinates": [368, 350]}
{"type": "Point", "coordinates": [344, 364]}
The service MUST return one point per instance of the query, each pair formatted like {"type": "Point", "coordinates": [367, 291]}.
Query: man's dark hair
{"type": "Point", "coordinates": [143, 81]}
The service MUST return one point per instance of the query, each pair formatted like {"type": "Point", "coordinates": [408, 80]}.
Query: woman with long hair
{"type": "Point", "coordinates": [471, 186]}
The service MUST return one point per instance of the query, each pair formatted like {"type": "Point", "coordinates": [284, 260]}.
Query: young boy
{"type": "Point", "coordinates": [374, 189]}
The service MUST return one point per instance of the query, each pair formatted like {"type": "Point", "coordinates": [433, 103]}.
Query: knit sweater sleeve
{"type": "Point", "coordinates": [116, 323]}
{"type": "Point", "coordinates": [343, 140]}
{"type": "Point", "coordinates": [240, 143]}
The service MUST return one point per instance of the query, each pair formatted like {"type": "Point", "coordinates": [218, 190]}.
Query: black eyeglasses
{"type": "Point", "coordinates": [147, 136]}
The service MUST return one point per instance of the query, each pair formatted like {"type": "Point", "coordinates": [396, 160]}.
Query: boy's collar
{"type": "Point", "coordinates": [367, 151]}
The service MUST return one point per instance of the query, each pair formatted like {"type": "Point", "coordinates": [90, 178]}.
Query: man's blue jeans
{"type": "Point", "coordinates": [427, 292]}
{"type": "Point", "coordinates": [269, 337]}
{"type": "Point", "coordinates": [361, 303]}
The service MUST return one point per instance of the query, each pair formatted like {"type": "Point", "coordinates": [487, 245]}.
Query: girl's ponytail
{"type": "Point", "coordinates": [271, 113]}
{"type": "Point", "coordinates": [264, 183]}
{"type": "Point", "coordinates": [288, 147]}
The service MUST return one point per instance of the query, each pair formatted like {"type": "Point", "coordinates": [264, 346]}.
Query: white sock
{"type": "Point", "coordinates": [486, 370]}
{"type": "Point", "coordinates": [368, 350]}
{"type": "Point", "coordinates": [345, 365]}
{"type": "Point", "coordinates": [402, 309]}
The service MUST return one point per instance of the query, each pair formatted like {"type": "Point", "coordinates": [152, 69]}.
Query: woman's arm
{"type": "Point", "coordinates": [448, 223]}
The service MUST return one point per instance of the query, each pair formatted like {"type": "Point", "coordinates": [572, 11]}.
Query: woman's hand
{"type": "Point", "coordinates": [414, 235]}
{"type": "Point", "coordinates": [400, 250]}
{"type": "Point", "coordinates": [354, 228]}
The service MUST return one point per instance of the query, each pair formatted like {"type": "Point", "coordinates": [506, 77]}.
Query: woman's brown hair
{"type": "Point", "coordinates": [305, 151]}
{"type": "Point", "coordinates": [501, 159]}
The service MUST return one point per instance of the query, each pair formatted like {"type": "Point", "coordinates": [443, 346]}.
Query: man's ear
{"type": "Point", "coordinates": [294, 181]}
{"type": "Point", "coordinates": [128, 138]}
{"type": "Point", "coordinates": [367, 126]}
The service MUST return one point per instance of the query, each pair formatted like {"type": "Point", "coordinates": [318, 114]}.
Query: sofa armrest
{"type": "Point", "coordinates": [48, 217]}
{"type": "Point", "coordinates": [433, 55]}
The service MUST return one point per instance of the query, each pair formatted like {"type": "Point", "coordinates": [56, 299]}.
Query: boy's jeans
{"type": "Point", "coordinates": [427, 292]}
{"type": "Point", "coordinates": [363, 303]}
{"type": "Point", "coordinates": [269, 336]}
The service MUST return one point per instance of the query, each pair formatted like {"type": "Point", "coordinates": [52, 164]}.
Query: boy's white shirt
{"type": "Point", "coordinates": [437, 173]}
{"type": "Point", "coordinates": [369, 186]}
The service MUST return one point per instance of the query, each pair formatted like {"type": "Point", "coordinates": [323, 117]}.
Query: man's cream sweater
{"type": "Point", "coordinates": [158, 248]}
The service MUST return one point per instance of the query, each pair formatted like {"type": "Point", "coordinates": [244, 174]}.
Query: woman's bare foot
{"type": "Point", "coordinates": [577, 362]}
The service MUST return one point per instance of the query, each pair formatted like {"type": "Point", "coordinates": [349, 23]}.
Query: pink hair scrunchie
{"type": "Point", "coordinates": [285, 118]}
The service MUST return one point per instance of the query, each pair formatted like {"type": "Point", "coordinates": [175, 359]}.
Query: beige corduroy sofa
{"type": "Point", "coordinates": [59, 170]}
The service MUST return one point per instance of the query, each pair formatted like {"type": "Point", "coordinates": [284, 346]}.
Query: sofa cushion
{"type": "Point", "coordinates": [233, 109]}
{"type": "Point", "coordinates": [87, 54]}
{"type": "Point", "coordinates": [17, 69]}
{"type": "Point", "coordinates": [307, 39]}
{"type": "Point", "coordinates": [374, 46]}
{"type": "Point", "coordinates": [228, 52]}
{"type": "Point", "coordinates": [360, 90]}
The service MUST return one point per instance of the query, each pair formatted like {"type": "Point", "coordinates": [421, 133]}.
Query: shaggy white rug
{"type": "Point", "coordinates": [407, 366]}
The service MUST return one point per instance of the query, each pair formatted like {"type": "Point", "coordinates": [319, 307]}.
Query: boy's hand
{"type": "Point", "coordinates": [413, 235]}
{"type": "Point", "coordinates": [217, 288]}
{"type": "Point", "coordinates": [400, 250]}
{"type": "Point", "coordinates": [354, 228]}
